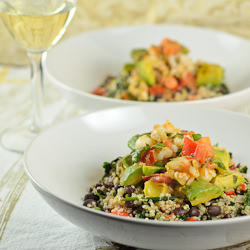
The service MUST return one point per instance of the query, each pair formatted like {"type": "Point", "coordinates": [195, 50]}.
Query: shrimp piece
{"type": "Point", "coordinates": [143, 141]}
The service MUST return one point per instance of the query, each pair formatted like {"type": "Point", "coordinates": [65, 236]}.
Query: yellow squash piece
{"type": "Point", "coordinates": [222, 159]}
{"type": "Point", "coordinates": [146, 71]}
{"type": "Point", "coordinates": [229, 181]}
{"type": "Point", "coordinates": [201, 191]}
{"type": "Point", "coordinates": [154, 189]}
{"type": "Point", "coordinates": [209, 74]}
{"type": "Point", "coordinates": [148, 170]}
{"type": "Point", "coordinates": [131, 176]}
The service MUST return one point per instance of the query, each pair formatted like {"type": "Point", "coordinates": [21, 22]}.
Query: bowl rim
{"type": "Point", "coordinates": [41, 188]}
{"type": "Point", "coordinates": [66, 87]}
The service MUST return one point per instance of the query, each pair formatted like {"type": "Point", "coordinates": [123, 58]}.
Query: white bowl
{"type": "Point", "coordinates": [80, 64]}
{"type": "Point", "coordinates": [63, 161]}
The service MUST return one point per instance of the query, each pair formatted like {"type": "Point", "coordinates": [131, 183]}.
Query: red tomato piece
{"type": "Point", "coordinates": [191, 219]}
{"type": "Point", "coordinates": [156, 90]}
{"type": "Point", "coordinates": [170, 82]}
{"type": "Point", "coordinates": [188, 80]}
{"type": "Point", "coordinates": [98, 91]}
{"type": "Point", "coordinates": [233, 167]}
{"type": "Point", "coordinates": [230, 192]}
{"type": "Point", "coordinates": [121, 213]}
{"type": "Point", "coordinates": [204, 149]}
{"type": "Point", "coordinates": [170, 216]}
{"type": "Point", "coordinates": [243, 186]}
{"type": "Point", "coordinates": [189, 147]}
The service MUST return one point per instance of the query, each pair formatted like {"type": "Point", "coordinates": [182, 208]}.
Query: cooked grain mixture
{"type": "Point", "coordinates": [163, 73]}
{"type": "Point", "coordinates": [174, 175]}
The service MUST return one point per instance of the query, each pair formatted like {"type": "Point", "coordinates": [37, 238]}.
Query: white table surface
{"type": "Point", "coordinates": [26, 221]}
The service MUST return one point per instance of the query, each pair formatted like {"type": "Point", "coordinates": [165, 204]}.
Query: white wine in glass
{"type": "Point", "coordinates": [37, 25]}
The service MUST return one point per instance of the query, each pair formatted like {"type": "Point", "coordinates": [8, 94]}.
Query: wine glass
{"type": "Point", "coordinates": [37, 25]}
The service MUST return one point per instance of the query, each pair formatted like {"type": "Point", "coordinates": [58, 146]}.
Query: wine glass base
{"type": "Point", "coordinates": [16, 140]}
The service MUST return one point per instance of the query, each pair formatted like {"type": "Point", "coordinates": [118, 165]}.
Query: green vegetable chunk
{"type": "Point", "coordinates": [201, 191]}
{"type": "Point", "coordinates": [247, 199]}
{"type": "Point", "coordinates": [209, 74]}
{"type": "Point", "coordinates": [132, 175]}
{"type": "Point", "coordinates": [229, 181]}
{"type": "Point", "coordinates": [148, 170]}
{"type": "Point", "coordinates": [138, 54]}
{"type": "Point", "coordinates": [133, 139]}
{"type": "Point", "coordinates": [222, 159]}
{"type": "Point", "coordinates": [127, 161]}
{"type": "Point", "coordinates": [146, 71]}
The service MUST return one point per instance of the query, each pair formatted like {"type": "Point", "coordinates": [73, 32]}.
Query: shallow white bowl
{"type": "Point", "coordinates": [63, 161]}
{"type": "Point", "coordinates": [80, 64]}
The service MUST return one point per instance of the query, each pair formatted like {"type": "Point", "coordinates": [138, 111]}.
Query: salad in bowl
{"type": "Point", "coordinates": [164, 73]}
{"type": "Point", "coordinates": [172, 175]}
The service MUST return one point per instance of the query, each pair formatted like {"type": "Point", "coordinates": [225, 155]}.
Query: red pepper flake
{"type": "Point", "coordinates": [233, 167]}
{"type": "Point", "coordinates": [191, 219]}
{"type": "Point", "coordinates": [243, 186]}
{"type": "Point", "coordinates": [230, 192]}
{"type": "Point", "coordinates": [121, 213]}
{"type": "Point", "coordinates": [98, 91]}
{"type": "Point", "coordinates": [170, 216]}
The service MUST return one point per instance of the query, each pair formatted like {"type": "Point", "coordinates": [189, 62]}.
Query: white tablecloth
{"type": "Point", "coordinates": [26, 221]}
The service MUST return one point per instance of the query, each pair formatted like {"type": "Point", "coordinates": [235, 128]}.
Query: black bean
{"type": "Point", "coordinates": [100, 192]}
{"type": "Point", "coordinates": [98, 185]}
{"type": "Point", "coordinates": [158, 96]}
{"type": "Point", "coordinates": [116, 186]}
{"type": "Point", "coordinates": [212, 201]}
{"type": "Point", "coordinates": [129, 189]}
{"type": "Point", "coordinates": [91, 196]}
{"type": "Point", "coordinates": [214, 210]}
{"type": "Point", "coordinates": [139, 208]}
{"type": "Point", "coordinates": [180, 211]}
{"type": "Point", "coordinates": [130, 204]}
{"type": "Point", "coordinates": [89, 201]}
{"type": "Point", "coordinates": [194, 211]}
{"type": "Point", "coordinates": [227, 216]}
{"type": "Point", "coordinates": [108, 184]}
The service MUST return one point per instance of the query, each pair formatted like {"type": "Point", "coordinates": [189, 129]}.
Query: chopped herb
{"type": "Point", "coordinates": [178, 134]}
{"type": "Point", "coordinates": [130, 199]}
{"type": "Point", "coordinates": [196, 137]}
{"type": "Point", "coordinates": [133, 139]}
{"type": "Point", "coordinates": [235, 178]}
{"type": "Point", "coordinates": [231, 155]}
{"type": "Point", "coordinates": [247, 199]}
{"type": "Point", "coordinates": [164, 198]}
{"type": "Point", "coordinates": [160, 164]}
{"type": "Point", "coordinates": [216, 144]}
{"type": "Point", "coordinates": [244, 170]}
{"type": "Point", "coordinates": [159, 145]}
{"type": "Point", "coordinates": [184, 217]}
{"type": "Point", "coordinates": [141, 214]}
{"type": "Point", "coordinates": [136, 155]}
{"type": "Point", "coordinates": [220, 164]}
{"type": "Point", "coordinates": [232, 203]}
{"type": "Point", "coordinates": [192, 155]}
{"type": "Point", "coordinates": [168, 134]}
{"type": "Point", "coordinates": [108, 165]}
{"type": "Point", "coordinates": [101, 196]}
{"type": "Point", "coordinates": [97, 208]}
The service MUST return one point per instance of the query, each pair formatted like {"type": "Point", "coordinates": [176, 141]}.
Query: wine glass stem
{"type": "Point", "coordinates": [37, 90]}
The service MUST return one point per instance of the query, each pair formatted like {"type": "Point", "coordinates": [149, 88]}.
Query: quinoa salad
{"type": "Point", "coordinates": [164, 73]}
{"type": "Point", "coordinates": [172, 175]}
